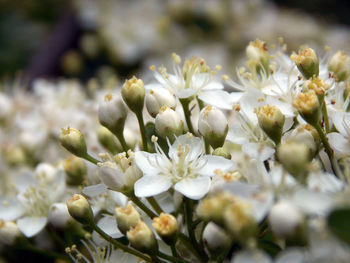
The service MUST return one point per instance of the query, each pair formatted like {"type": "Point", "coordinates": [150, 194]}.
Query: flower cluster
{"type": "Point", "coordinates": [247, 168]}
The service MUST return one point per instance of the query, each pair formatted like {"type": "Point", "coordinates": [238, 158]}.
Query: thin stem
{"type": "Point", "coordinates": [170, 258]}
{"type": "Point", "coordinates": [185, 103]}
{"type": "Point", "coordinates": [120, 245]}
{"type": "Point", "coordinates": [122, 141]}
{"type": "Point", "coordinates": [153, 202]}
{"type": "Point", "coordinates": [329, 152]}
{"type": "Point", "coordinates": [91, 159]}
{"type": "Point", "coordinates": [206, 146]}
{"type": "Point", "coordinates": [141, 205]}
{"type": "Point", "coordinates": [188, 244]}
{"type": "Point", "coordinates": [142, 130]}
{"type": "Point", "coordinates": [173, 250]}
{"type": "Point", "coordinates": [325, 116]}
{"type": "Point", "coordinates": [188, 216]}
{"type": "Point", "coordinates": [223, 255]}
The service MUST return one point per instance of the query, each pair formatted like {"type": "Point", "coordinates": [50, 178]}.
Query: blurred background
{"type": "Point", "coordinates": [88, 38]}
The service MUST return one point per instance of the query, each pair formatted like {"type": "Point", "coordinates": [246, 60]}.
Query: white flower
{"type": "Point", "coordinates": [187, 169]}
{"type": "Point", "coordinates": [194, 78]}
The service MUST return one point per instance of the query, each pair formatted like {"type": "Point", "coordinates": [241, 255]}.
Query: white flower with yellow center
{"type": "Point", "coordinates": [194, 78]}
{"type": "Point", "coordinates": [187, 168]}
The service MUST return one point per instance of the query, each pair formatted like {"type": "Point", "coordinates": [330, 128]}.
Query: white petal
{"type": "Point", "coordinates": [236, 134]}
{"type": "Point", "coordinates": [152, 185]}
{"type": "Point", "coordinates": [312, 202]}
{"type": "Point", "coordinates": [95, 190]}
{"type": "Point", "coordinates": [195, 145]}
{"type": "Point", "coordinates": [30, 226]}
{"type": "Point", "coordinates": [258, 151]}
{"type": "Point", "coordinates": [218, 98]}
{"type": "Point", "coordinates": [10, 209]}
{"type": "Point", "coordinates": [341, 120]}
{"type": "Point", "coordinates": [214, 85]}
{"type": "Point", "coordinates": [339, 143]}
{"type": "Point", "coordinates": [213, 163]}
{"type": "Point", "coordinates": [291, 255]}
{"type": "Point", "coordinates": [324, 182]}
{"type": "Point", "coordinates": [143, 161]}
{"type": "Point", "coordinates": [194, 188]}
{"type": "Point", "coordinates": [186, 93]}
{"type": "Point", "coordinates": [109, 225]}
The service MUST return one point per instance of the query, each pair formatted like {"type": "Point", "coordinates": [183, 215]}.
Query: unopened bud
{"type": "Point", "coordinates": [339, 64]}
{"type": "Point", "coordinates": [271, 120]}
{"type": "Point", "coordinates": [75, 169]}
{"type": "Point", "coordinates": [216, 238]}
{"type": "Point", "coordinates": [239, 220]}
{"type": "Point", "coordinates": [158, 98]}
{"type": "Point", "coordinates": [168, 123]}
{"type": "Point", "coordinates": [258, 55]}
{"type": "Point", "coordinates": [133, 93]}
{"type": "Point", "coordinates": [294, 157]}
{"type": "Point", "coordinates": [127, 217]}
{"type": "Point", "coordinates": [9, 232]}
{"type": "Point", "coordinates": [59, 216]}
{"type": "Point", "coordinates": [307, 62]}
{"type": "Point", "coordinates": [318, 85]}
{"type": "Point", "coordinates": [286, 221]}
{"type": "Point", "coordinates": [213, 126]}
{"type": "Point", "coordinates": [112, 113]}
{"type": "Point", "coordinates": [307, 135]}
{"type": "Point", "coordinates": [73, 140]}
{"type": "Point", "coordinates": [308, 106]}
{"type": "Point", "coordinates": [221, 151]}
{"type": "Point", "coordinates": [166, 227]}
{"type": "Point", "coordinates": [142, 238]}
{"type": "Point", "coordinates": [80, 209]}
{"type": "Point", "coordinates": [108, 140]}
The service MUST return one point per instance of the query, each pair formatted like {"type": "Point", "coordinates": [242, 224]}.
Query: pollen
{"type": "Point", "coordinates": [207, 110]}
{"type": "Point", "coordinates": [306, 102]}
{"type": "Point", "coordinates": [108, 97]}
{"type": "Point", "coordinates": [318, 85]}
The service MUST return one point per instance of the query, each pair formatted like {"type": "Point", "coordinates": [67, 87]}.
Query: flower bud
{"type": "Point", "coordinates": [112, 113]}
{"type": "Point", "coordinates": [75, 169]}
{"type": "Point", "coordinates": [239, 220]}
{"type": "Point", "coordinates": [213, 126]}
{"type": "Point", "coordinates": [108, 140]}
{"type": "Point", "coordinates": [80, 209]}
{"type": "Point", "coordinates": [9, 232]}
{"type": "Point", "coordinates": [294, 157]}
{"type": "Point", "coordinates": [286, 220]}
{"type": "Point", "coordinates": [14, 155]}
{"type": "Point", "coordinates": [308, 106]}
{"type": "Point", "coordinates": [271, 120]}
{"type": "Point", "coordinates": [307, 62]}
{"type": "Point", "coordinates": [318, 85]}
{"type": "Point", "coordinates": [221, 151]}
{"type": "Point", "coordinates": [73, 141]}
{"type": "Point", "coordinates": [168, 123]}
{"type": "Point", "coordinates": [215, 238]}
{"type": "Point", "coordinates": [158, 98]}
{"type": "Point", "coordinates": [59, 216]}
{"type": "Point", "coordinates": [339, 64]}
{"type": "Point", "coordinates": [142, 238]}
{"type": "Point", "coordinates": [258, 56]}
{"type": "Point", "coordinates": [166, 227]}
{"type": "Point", "coordinates": [133, 93]}
{"type": "Point", "coordinates": [307, 135]}
{"type": "Point", "coordinates": [211, 208]}
{"type": "Point", "coordinates": [127, 217]}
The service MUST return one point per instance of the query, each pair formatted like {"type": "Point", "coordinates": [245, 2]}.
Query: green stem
{"type": "Point", "coordinates": [329, 152]}
{"type": "Point", "coordinates": [188, 244]}
{"type": "Point", "coordinates": [153, 202]}
{"type": "Point", "coordinates": [325, 116]}
{"type": "Point", "coordinates": [189, 222]}
{"type": "Point", "coordinates": [206, 146]}
{"type": "Point", "coordinates": [170, 258]}
{"type": "Point", "coordinates": [122, 141]}
{"type": "Point", "coordinates": [185, 103]}
{"type": "Point", "coordinates": [141, 205]}
{"type": "Point", "coordinates": [142, 130]}
{"type": "Point", "coordinates": [120, 245]}
{"type": "Point", "coordinates": [223, 255]}
{"type": "Point", "coordinates": [91, 159]}
{"type": "Point", "coordinates": [173, 250]}
{"type": "Point", "coordinates": [200, 103]}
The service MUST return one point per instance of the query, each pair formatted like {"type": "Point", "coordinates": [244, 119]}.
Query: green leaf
{"type": "Point", "coordinates": [339, 223]}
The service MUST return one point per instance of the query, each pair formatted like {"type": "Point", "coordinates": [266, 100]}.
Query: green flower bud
{"type": "Point", "coordinates": [308, 106]}
{"type": "Point", "coordinates": [166, 227]}
{"type": "Point", "coordinates": [73, 141]}
{"type": "Point", "coordinates": [271, 120]}
{"type": "Point", "coordinates": [307, 62]}
{"type": "Point", "coordinates": [75, 169]}
{"type": "Point", "coordinates": [127, 217]}
{"type": "Point", "coordinates": [168, 123]}
{"type": "Point", "coordinates": [213, 126]}
{"type": "Point", "coordinates": [339, 64]}
{"type": "Point", "coordinates": [142, 238]}
{"type": "Point", "coordinates": [80, 209]}
{"type": "Point", "coordinates": [112, 113]}
{"type": "Point", "coordinates": [133, 93]}
{"type": "Point", "coordinates": [108, 140]}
